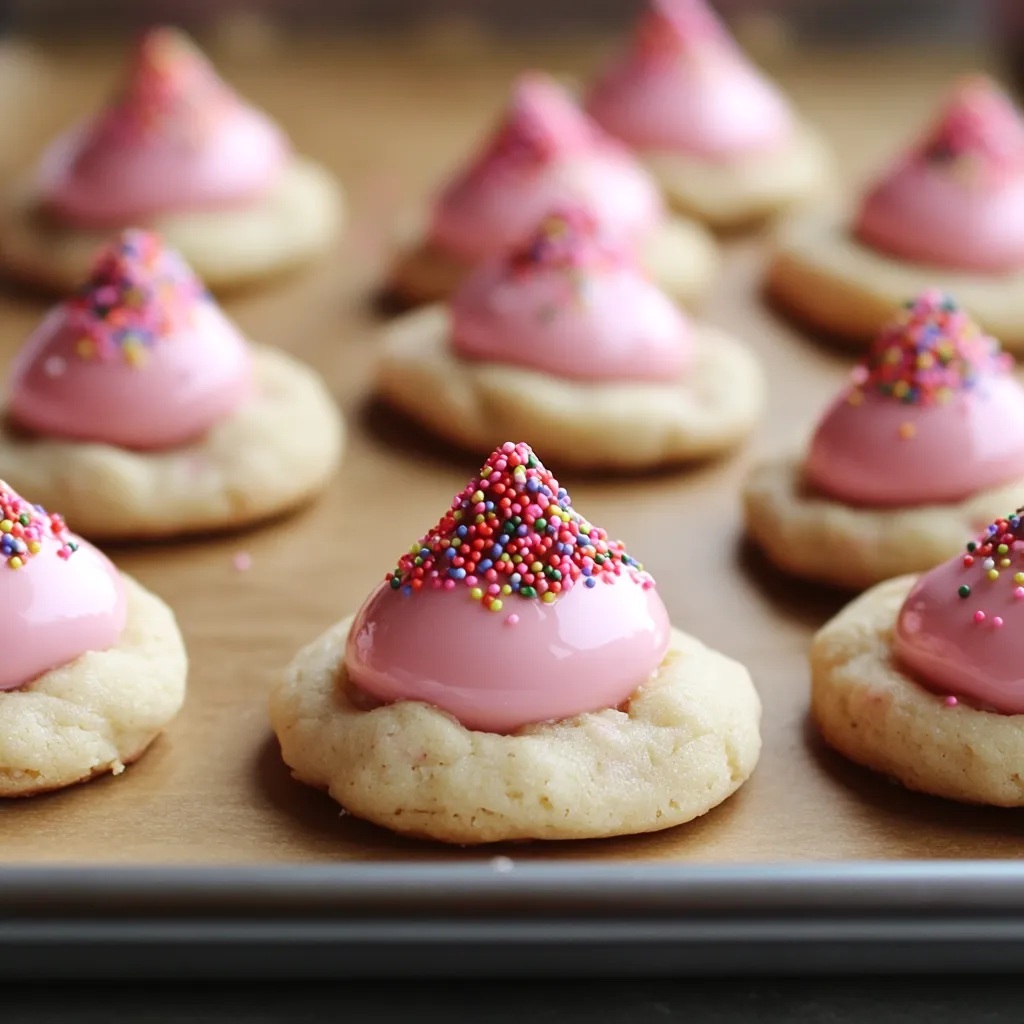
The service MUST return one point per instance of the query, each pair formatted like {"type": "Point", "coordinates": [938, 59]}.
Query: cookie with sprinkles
{"type": "Point", "coordinates": [24, 528]}
{"type": "Point", "coordinates": [516, 677]}
{"type": "Point", "coordinates": [512, 533]}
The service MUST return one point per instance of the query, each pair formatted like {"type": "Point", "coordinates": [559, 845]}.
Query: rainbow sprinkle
{"type": "Point", "coordinates": [569, 239]}
{"type": "Point", "coordinates": [512, 532]}
{"type": "Point", "coordinates": [170, 88]}
{"type": "Point", "coordinates": [138, 293]}
{"type": "Point", "coordinates": [980, 131]}
{"type": "Point", "coordinates": [23, 528]}
{"type": "Point", "coordinates": [929, 353]}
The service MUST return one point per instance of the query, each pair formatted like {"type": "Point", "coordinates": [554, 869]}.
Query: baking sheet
{"type": "Point", "coordinates": [213, 790]}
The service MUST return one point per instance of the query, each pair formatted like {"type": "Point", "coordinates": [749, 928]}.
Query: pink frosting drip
{"type": "Point", "coordinates": [546, 155]}
{"type": "Point", "coordinates": [175, 139]}
{"type": "Point", "coordinates": [572, 305]}
{"type": "Point", "coordinates": [957, 200]}
{"type": "Point", "coordinates": [933, 416]}
{"type": "Point", "coordinates": [143, 358]}
{"type": "Point", "coordinates": [684, 85]}
{"type": "Point", "coordinates": [590, 649]}
{"type": "Point", "coordinates": [59, 602]}
{"type": "Point", "coordinates": [961, 632]}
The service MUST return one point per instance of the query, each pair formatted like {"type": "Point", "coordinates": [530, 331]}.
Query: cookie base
{"type": "Point", "coordinates": [821, 539]}
{"type": "Point", "coordinates": [876, 714]}
{"type": "Point", "coordinates": [681, 257]}
{"type": "Point", "coordinates": [273, 454]}
{"type": "Point", "coordinates": [827, 279]}
{"type": "Point", "coordinates": [626, 426]}
{"type": "Point", "coordinates": [297, 221]}
{"type": "Point", "coordinates": [101, 711]}
{"type": "Point", "coordinates": [733, 195]}
{"type": "Point", "coordinates": [688, 739]}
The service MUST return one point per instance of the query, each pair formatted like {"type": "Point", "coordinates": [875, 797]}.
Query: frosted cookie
{"type": "Point", "coordinates": [93, 666]}
{"type": "Point", "coordinates": [139, 408]}
{"type": "Point", "coordinates": [725, 145]}
{"type": "Point", "coordinates": [567, 340]}
{"type": "Point", "coordinates": [517, 677]}
{"type": "Point", "coordinates": [178, 152]}
{"type": "Point", "coordinates": [923, 679]}
{"type": "Point", "coordinates": [545, 154]}
{"type": "Point", "coordinates": [921, 448]}
{"type": "Point", "coordinates": [950, 213]}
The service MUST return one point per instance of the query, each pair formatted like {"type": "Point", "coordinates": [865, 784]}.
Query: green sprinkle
{"type": "Point", "coordinates": [964, 591]}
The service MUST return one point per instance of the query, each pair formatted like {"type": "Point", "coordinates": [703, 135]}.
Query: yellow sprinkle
{"type": "Point", "coordinates": [15, 562]}
{"type": "Point", "coordinates": [476, 593]}
{"type": "Point", "coordinates": [1004, 563]}
{"type": "Point", "coordinates": [477, 496]}
{"type": "Point", "coordinates": [907, 431]}
{"type": "Point", "coordinates": [496, 605]}
{"type": "Point", "coordinates": [900, 388]}
{"type": "Point", "coordinates": [855, 397]}
{"type": "Point", "coordinates": [547, 597]}
{"type": "Point", "coordinates": [457, 514]}
{"type": "Point", "coordinates": [504, 557]}
{"type": "Point", "coordinates": [480, 518]}
{"type": "Point", "coordinates": [6, 526]}
{"type": "Point", "coordinates": [506, 590]}
{"type": "Point", "coordinates": [536, 567]}
{"type": "Point", "coordinates": [135, 355]}
{"type": "Point", "coordinates": [35, 547]}
{"type": "Point", "coordinates": [1019, 578]}
{"type": "Point", "coordinates": [516, 559]}
{"type": "Point", "coordinates": [925, 361]}
{"type": "Point", "coordinates": [993, 574]}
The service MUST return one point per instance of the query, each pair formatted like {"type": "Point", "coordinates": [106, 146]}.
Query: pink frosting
{"type": "Point", "coordinates": [512, 610]}
{"type": "Point", "coordinates": [933, 415]}
{"type": "Point", "coordinates": [546, 154]}
{"type": "Point", "coordinates": [572, 305]}
{"type": "Point", "coordinates": [143, 358]}
{"type": "Point", "coordinates": [685, 86]}
{"type": "Point", "coordinates": [961, 628]}
{"type": "Point", "coordinates": [175, 139]}
{"type": "Point", "coordinates": [61, 597]}
{"type": "Point", "coordinates": [957, 200]}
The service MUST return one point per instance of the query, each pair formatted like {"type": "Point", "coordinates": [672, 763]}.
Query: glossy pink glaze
{"type": "Point", "coordinates": [590, 649]}
{"type": "Point", "coordinates": [193, 379]}
{"type": "Point", "coordinates": [571, 307]}
{"type": "Point", "coordinates": [546, 154]}
{"type": "Point", "coordinates": [941, 640]}
{"type": "Point", "coordinates": [685, 86]}
{"type": "Point", "coordinates": [958, 199]}
{"type": "Point", "coordinates": [176, 139]}
{"type": "Point", "coordinates": [860, 456]}
{"type": "Point", "coordinates": [54, 610]}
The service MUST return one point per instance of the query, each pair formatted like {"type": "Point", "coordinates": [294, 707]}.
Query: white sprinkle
{"type": "Point", "coordinates": [503, 865]}
{"type": "Point", "coordinates": [989, 563]}
{"type": "Point", "coordinates": [55, 366]}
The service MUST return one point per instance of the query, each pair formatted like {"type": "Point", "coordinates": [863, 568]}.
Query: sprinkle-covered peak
{"type": "Point", "coordinates": [170, 87]}
{"type": "Point", "coordinates": [931, 351]}
{"type": "Point", "coordinates": [138, 292]}
{"type": "Point", "coordinates": [513, 533]}
{"type": "Point", "coordinates": [24, 527]}
{"type": "Point", "coordinates": [671, 28]}
{"type": "Point", "coordinates": [980, 132]}
{"type": "Point", "coordinates": [996, 556]}
{"type": "Point", "coordinates": [567, 239]}
{"type": "Point", "coordinates": [541, 122]}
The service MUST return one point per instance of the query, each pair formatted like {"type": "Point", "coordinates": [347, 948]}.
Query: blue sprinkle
{"type": "Point", "coordinates": [489, 505]}
{"type": "Point", "coordinates": [587, 570]}
{"type": "Point", "coordinates": [532, 485]}
{"type": "Point", "coordinates": [407, 590]}
{"type": "Point", "coordinates": [591, 582]}
{"type": "Point", "coordinates": [449, 552]}
{"type": "Point", "coordinates": [457, 574]}
{"type": "Point", "coordinates": [521, 531]}
{"type": "Point", "coordinates": [485, 564]}
{"type": "Point", "coordinates": [462, 531]}
{"type": "Point", "coordinates": [497, 551]}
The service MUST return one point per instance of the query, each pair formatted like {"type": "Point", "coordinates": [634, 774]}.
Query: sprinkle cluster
{"type": "Point", "coordinates": [568, 239]}
{"type": "Point", "coordinates": [980, 133]}
{"type": "Point", "coordinates": [23, 527]}
{"type": "Point", "coordinates": [171, 88]}
{"type": "Point", "coordinates": [1000, 551]}
{"type": "Point", "coordinates": [513, 532]}
{"type": "Point", "coordinates": [139, 292]}
{"type": "Point", "coordinates": [929, 353]}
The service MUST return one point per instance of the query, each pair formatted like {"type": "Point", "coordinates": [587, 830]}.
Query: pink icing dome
{"type": "Point", "coordinates": [933, 415]}
{"type": "Point", "coordinates": [961, 628]}
{"type": "Point", "coordinates": [60, 596]}
{"type": "Point", "coordinates": [545, 154]}
{"type": "Point", "coordinates": [572, 304]}
{"type": "Point", "coordinates": [957, 199]}
{"type": "Point", "coordinates": [141, 358]}
{"type": "Point", "coordinates": [684, 85]}
{"type": "Point", "coordinates": [512, 610]}
{"type": "Point", "coordinates": [175, 139]}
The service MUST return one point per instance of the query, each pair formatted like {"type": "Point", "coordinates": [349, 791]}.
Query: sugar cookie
{"type": "Point", "coordinates": [93, 665]}
{"type": "Point", "coordinates": [141, 410]}
{"type": "Point", "coordinates": [177, 152]}
{"type": "Point", "coordinates": [567, 708]}
{"type": "Point", "coordinates": [566, 340]}
{"type": "Point", "coordinates": [922, 448]}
